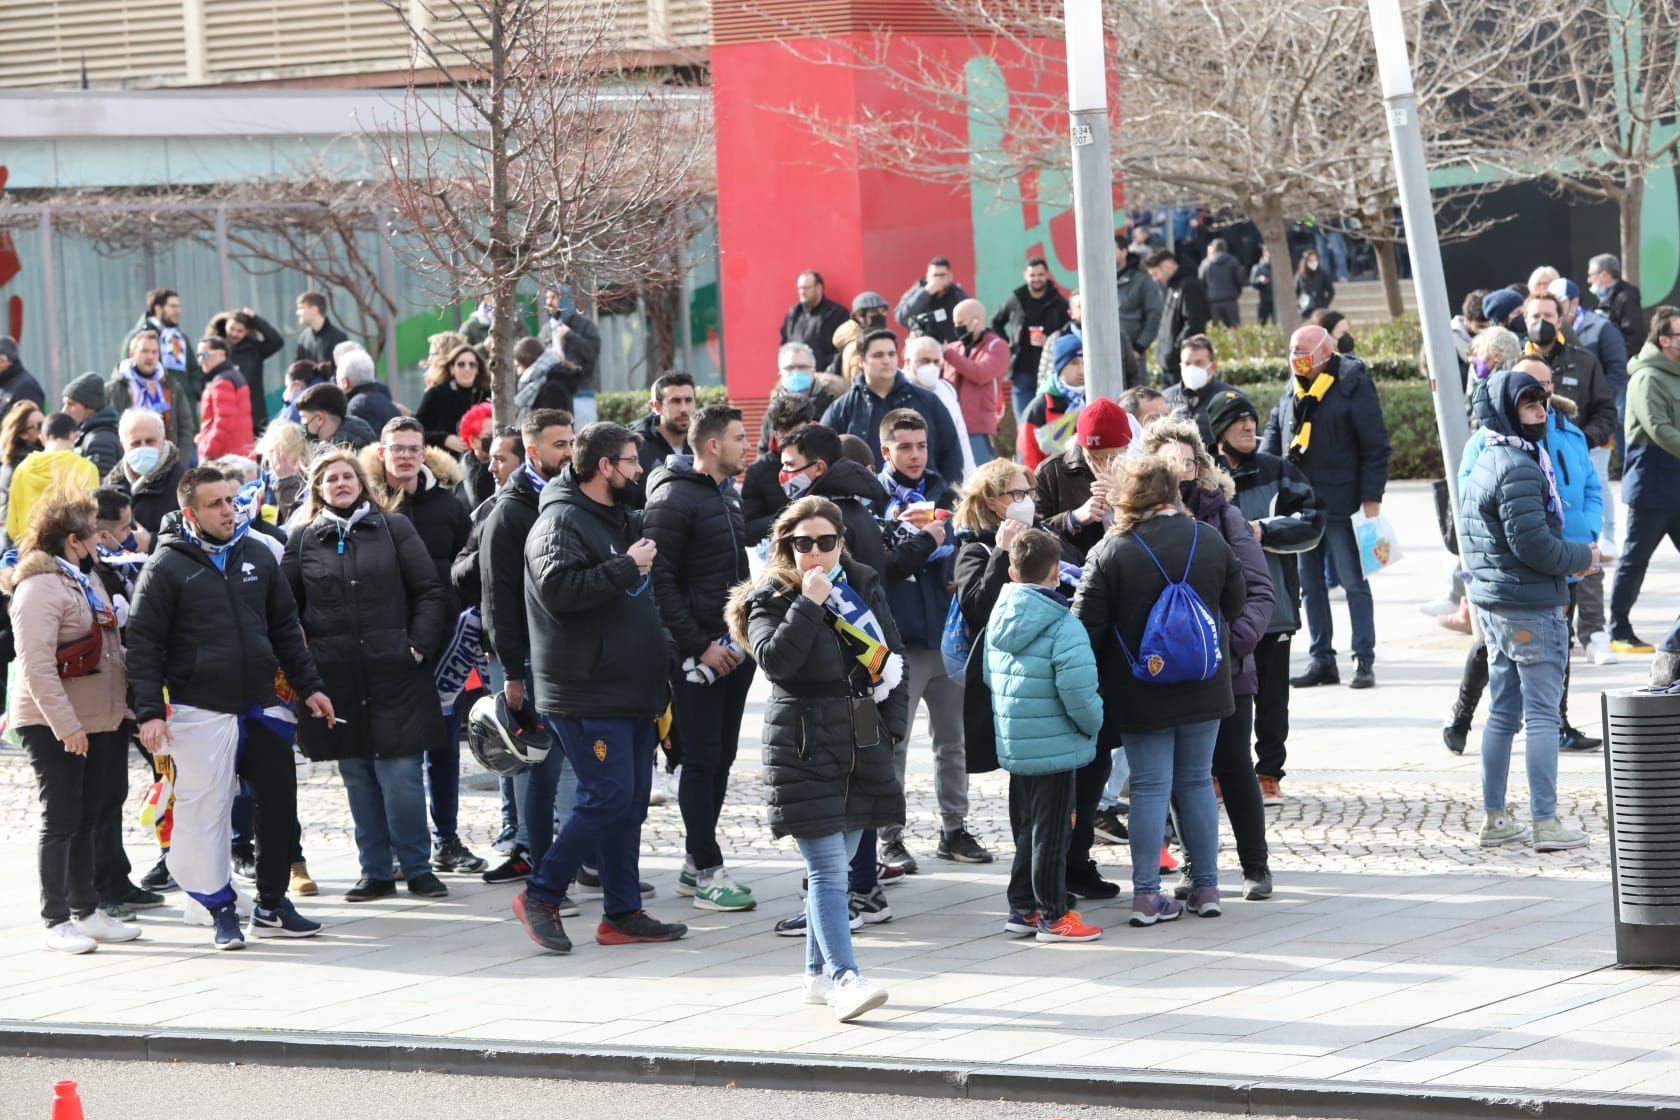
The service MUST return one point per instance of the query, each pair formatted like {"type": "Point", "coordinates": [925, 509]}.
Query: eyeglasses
{"type": "Point", "coordinates": [1017, 495]}
{"type": "Point", "coordinates": [630, 459]}
{"type": "Point", "coordinates": [403, 450]}
{"type": "Point", "coordinates": [828, 542]}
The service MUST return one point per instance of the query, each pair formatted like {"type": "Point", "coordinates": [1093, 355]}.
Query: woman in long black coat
{"type": "Point", "coordinates": [371, 602]}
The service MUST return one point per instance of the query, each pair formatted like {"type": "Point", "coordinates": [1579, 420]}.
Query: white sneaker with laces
{"type": "Point", "coordinates": [66, 938]}
{"type": "Point", "coordinates": [1598, 649]}
{"type": "Point", "coordinates": [814, 988]}
{"type": "Point", "coordinates": [103, 928]}
{"type": "Point", "coordinates": [1444, 605]}
{"type": "Point", "coordinates": [852, 995]}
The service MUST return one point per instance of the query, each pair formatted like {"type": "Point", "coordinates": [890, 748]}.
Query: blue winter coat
{"type": "Point", "coordinates": [1512, 545]}
{"type": "Point", "coordinates": [1577, 482]}
{"type": "Point", "coordinates": [1043, 679]}
{"type": "Point", "coordinates": [1601, 338]}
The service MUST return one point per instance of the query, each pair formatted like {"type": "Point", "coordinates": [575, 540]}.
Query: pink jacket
{"type": "Point", "coordinates": [977, 376]}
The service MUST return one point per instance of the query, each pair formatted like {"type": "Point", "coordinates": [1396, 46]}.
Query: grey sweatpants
{"type": "Point", "coordinates": [925, 672]}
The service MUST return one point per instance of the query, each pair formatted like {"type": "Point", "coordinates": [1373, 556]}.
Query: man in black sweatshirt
{"type": "Point", "coordinates": [1033, 312]}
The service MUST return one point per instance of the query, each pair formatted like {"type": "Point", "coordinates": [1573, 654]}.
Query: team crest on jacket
{"type": "Point", "coordinates": [1156, 664]}
{"type": "Point", "coordinates": [600, 750]}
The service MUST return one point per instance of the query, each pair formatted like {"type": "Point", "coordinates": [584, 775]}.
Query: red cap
{"type": "Point", "coordinates": [1103, 424]}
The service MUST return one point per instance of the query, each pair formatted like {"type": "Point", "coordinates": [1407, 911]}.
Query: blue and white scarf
{"type": "Point", "coordinates": [1075, 395]}
{"type": "Point", "coordinates": [862, 633]}
{"type": "Point", "coordinates": [899, 498]}
{"type": "Point", "coordinates": [102, 614]}
{"type": "Point", "coordinates": [146, 392]}
{"type": "Point", "coordinates": [1554, 504]}
{"type": "Point", "coordinates": [698, 672]}
{"type": "Point", "coordinates": [460, 656]}
{"type": "Point", "coordinates": [172, 348]}
{"type": "Point", "coordinates": [218, 553]}
{"type": "Point", "coordinates": [532, 475]}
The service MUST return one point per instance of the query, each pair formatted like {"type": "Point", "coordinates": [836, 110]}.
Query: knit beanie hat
{"type": "Point", "coordinates": [1499, 306]}
{"type": "Point", "coordinates": [1102, 424]}
{"type": "Point", "coordinates": [87, 390]}
{"type": "Point", "coordinates": [1068, 347]}
{"type": "Point", "coordinates": [1226, 409]}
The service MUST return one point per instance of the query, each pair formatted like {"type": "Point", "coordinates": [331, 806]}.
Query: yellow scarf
{"type": "Point", "coordinates": [1303, 412]}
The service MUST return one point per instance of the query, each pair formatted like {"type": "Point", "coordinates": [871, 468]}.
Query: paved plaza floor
{"type": "Point", "coordinates": [1395, 950]}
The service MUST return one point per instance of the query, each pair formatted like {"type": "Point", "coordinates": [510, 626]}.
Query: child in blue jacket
{"type": "Point", "coordinates": [1046, 711]}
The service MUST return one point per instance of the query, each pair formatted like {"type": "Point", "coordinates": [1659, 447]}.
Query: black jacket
{"type": "Point", "coordinates": [762, 496]}
{"type": "Point", "coordinates": [441, 409]}
{"type": "Point", "coordinates": [1182, 404]}
{"type": "Point", "coordinates": [466, 574]}
{"type": "Point", "coordinates": [1622, 306]}
{"type": "Point", "coordinates": [501, 550]}
{"type": "Point", "coordinates": [594, 622]}
{"type": "Point", "coordinates": [1117, 592]}
{"type": "Point", "coordinates": [815, 328]}
{"type": "Point", "coordinates": [1314, 290]}
{"type": "Point", "coordinates": [214, 640]}
{"type": "Point", "coordinates": [477, 483]}
{"type": "Point", "coordinates": [982, 570]}
{"type": "Point", "coordinates": [249, 354]}
{"type": "Point", "coordinates": [858, 493]}
{"type": "Point", "coordinates": [436, 514]}
{"type": "Point", "coordinates": [1062, 485]}
{"type": "Point", "coordinates": [580, 354]}
{"type": "Point", "coordinates": [702, 541]}
{"type": "Point", "coordinates": [18, 384]}
{"type": "Point", "coordinates": [828, 760]}
{"type": "Point", "coordinates": [371, 403]}
{"type": "Point", "coordinates": [1274, 492]}
{"type": "Point", "coordinates": [363, 609]}
{"type": "Point", "coordinates": [859, 412]}
{"type": "Point", "coordinates": [1023, 311]}
{"type": "Point", "coordinates": [1183, 314]}
{"type": "Point", "coordinates": [931, 314]}
{"type": "Point", "coordinates": [153, 496]}
{"type": "Point", "coordinates": [353, 433]}
{"type": "Point", "coordinates": [317, 346]}
{"type": "Point", "coordinates": [1223, 278]}
{"type": "Point", "coordinates": [1577, 375]}
{"type": "Point", "coordinates": [654, 451]}
{"type": "Point", "coordinates": [1347, 459]}
{"type": "Point", "coordinates": [97, 440]}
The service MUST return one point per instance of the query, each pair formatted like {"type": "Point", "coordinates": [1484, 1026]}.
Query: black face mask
{"type": "Point", "coordinates": [86, 565]}
{"type": "Point", "coordinates": [1344, 345]}
{"type": "Point", "coordinates": [1544, 336]}
{"type": "Point", "coordinates": [1186, 488]}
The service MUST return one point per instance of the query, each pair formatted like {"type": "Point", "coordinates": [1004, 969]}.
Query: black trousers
{"type": "Point", "coordinates": [1271, 704]}
{"type": "Point", "coordinates": [76, 795]}
{"type": "Point", "coordinates": [1041, 817]}
{"type": "Point", "coordinates": [1646, 529]}
{"type": "Point", "coordinates": [710, 719]}
{"type": "Point", "coordinates": [265, 762]}
{"type": "Point", "coordinates": [1088, 784]}
{"type": "Point", "coordinates": [1233, 765]}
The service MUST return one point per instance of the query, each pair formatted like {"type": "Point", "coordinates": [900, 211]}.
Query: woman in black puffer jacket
{"type": "Point", "coordinates": [372, 607]}
{"type": "Point", "coordinates": [1207, 492]}
{"type": "Point", "coordinates": [829, 725]}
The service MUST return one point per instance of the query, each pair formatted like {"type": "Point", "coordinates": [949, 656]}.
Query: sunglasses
{"type": "Point", "coordinates": [828, 542]}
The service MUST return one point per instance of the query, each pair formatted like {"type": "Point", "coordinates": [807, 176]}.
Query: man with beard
{"type": "Point", "coordinates": [177, 358]}
{"type": "Point", "coordinates": [1032, 313]}
{"type": "Point", "coordinates": [141, 381]}
{"type": "Point", "coordinates": [663, 432]}
{"type": "Point", "coordinates": [1287, 519]}
{"type": "Point", "coordinates": [694, 519]}
{"type": "Point", "coordinates": [547, 438]}
{"type": "Point", "coordinates": [593, 624]}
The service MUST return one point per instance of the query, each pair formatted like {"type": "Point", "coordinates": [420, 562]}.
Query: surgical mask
{"type": "Point", "coordinates": [794, 483]}
{"type": "Point", "coordinates": [1600, 290]}
{"type": "Point", "coordinates": [1021, 511]}
{"type": "Point", "coordinates": [141, 460]}
{"type": "Point", "coordinates": [835, 573]}
{"type": "Point", "coordinates": [1344, 345]}
{"type": "Point", "coordinates": [1481, 368]}
{"type": "Point", "coordinates": [798, 380]}
{"type": "Point", "coordinates": [1194, 377]}
{"type": "Point", "coordinates": [927, 374]}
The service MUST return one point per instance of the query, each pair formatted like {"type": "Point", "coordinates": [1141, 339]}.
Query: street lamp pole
{"type": "Point", "coordinates": [1093, 196]}
{"type": "Point", "coordinates": [1428, 277]}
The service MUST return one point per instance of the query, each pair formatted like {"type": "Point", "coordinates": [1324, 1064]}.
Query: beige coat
{"type": "Point", "coordinates": [49, 610]}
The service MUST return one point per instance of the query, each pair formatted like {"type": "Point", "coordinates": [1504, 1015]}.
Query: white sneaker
{"type": "Point", "coordinates": [815, 989]}
{"type": "Point", "coordinates": [66, 938]}
{"type": "Point", "coordinates": [102, 927]}
{"type": "Point", "coordinates": [656, 793]}
{"type": "Point", "coordinates": [672, 781]}
{"type": "Point", "coordinates": [1598, 648]}
{"type": "Point", "coordinates": [852, 995]}
{"type": "Point", "coordinates": [1446, 604]}
{"type": "Point", "coordinates": [1606, 551]}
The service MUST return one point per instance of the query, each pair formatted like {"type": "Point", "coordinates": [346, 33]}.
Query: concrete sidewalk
{"type": "Point", "coordinates": [1396, 951]}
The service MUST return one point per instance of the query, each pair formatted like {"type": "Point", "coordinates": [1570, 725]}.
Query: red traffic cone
{"type": "Point", "coordinates": [66, 1105]}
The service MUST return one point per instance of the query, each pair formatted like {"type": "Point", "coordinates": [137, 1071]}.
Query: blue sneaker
{"type": "Point", "coordinates": [282, 921]}
{"type": "Point", "coordinates": [1022, 922]}
{"type": "Point", "coordinates": [228, 933]}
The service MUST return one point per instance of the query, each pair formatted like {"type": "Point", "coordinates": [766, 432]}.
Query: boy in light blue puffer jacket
{"type": "Point", "coordinates": [1042, 675]}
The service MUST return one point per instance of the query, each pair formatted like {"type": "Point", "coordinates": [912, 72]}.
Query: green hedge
{"type": "Point", "coordinates": [1396, 338]}
{"type": "Point", "coordinates": [630, 406]}
{"type": "Point", "coordinates": [1257, 371]}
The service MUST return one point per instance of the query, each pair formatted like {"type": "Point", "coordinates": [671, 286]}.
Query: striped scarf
{"type": "Point", "coordinates": [863, 637]}
{"type": "Point", "coordinates": [1306, 403]}
{"type": "Point", "coordinates": [1554, 504]}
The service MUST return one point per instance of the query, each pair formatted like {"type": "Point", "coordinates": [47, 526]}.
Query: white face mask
{"type": "Point", "coordinates": [1021, 511]}
{"type": "Point", "coordinates": [1194, 377]}
{"type": "Point", "coordinates": [927, 374]}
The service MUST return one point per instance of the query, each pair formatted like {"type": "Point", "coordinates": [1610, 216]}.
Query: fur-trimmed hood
{"type": "Point", "coordinates": [440, 470]}
{"type": "Point", "coordinates": [1209, 475]}
{"type": "Point", "coordinates": [30, 564]}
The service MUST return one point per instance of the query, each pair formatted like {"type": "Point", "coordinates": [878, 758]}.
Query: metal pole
{"type": "Point", "coordinates": [49, 298]}
{"type": "Point", "coordinates": [1428, 277]}
{"type": "Point", "coordinates": [222, 256]}
{"type": "Point", "coordinates": [1093, 196]}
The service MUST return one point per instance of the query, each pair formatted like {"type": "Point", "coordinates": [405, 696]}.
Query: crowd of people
{"type": "Point", "coordinates": [1106, 616]}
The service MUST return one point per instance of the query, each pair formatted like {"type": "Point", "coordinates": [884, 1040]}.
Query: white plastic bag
{"type": "Point", "coordinates": [1379, 546]}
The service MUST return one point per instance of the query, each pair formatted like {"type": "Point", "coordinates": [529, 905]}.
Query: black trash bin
{"type": "Point", "coordinates": [1642, 770]}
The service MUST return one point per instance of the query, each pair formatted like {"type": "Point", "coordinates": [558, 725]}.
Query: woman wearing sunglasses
{"type": "Point", "coordinates": [817, 623]}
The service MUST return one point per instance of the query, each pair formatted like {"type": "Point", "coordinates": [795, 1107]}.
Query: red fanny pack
{"type": "Point", "coordinates": [80, 657]}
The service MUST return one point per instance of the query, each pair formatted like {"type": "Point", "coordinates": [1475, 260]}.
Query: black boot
{"type": "Point", "coordinates": [1362, 675]}
{"type": "Point", "coordinates": [1319, 672]}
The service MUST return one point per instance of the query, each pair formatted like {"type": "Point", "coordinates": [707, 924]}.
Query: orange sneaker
{"type": "Point", "coordinates": [1271, 793]}
{"type": "Point", "coordinates": [1218, 794]}
{"type": "Point", "coordinates": [1069, 927]}
{"type": "Point", "coordinates": [1168, 863]}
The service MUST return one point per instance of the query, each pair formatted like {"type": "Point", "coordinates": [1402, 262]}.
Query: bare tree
{"type": "Point", "coordinates": [1267, 107]}
{"type": "Point", "coordinates": [537, 156]}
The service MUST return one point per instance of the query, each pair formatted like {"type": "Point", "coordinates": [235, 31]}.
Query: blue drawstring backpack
{"type": "Point", "coordinates": [1181, 639]}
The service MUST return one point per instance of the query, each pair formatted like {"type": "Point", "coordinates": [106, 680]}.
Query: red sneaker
{"type": "Point", "coordinates": [1168, 863]}
{"type": "Point", "coordinates": [1069, 927]}
{"type": "Point", "coordinates": [637, 928]}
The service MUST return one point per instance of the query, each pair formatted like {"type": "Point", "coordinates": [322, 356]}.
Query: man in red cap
{"type": "Point", "coordinates": [1329, 423]}
{"type": "Point", "coordinates": [1071, 493]}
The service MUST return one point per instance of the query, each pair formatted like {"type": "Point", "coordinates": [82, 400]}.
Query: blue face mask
{"type": "Point", "coordinates": [836, 573]}
{"type": "Point", "coordinates": [141, 460]}
{"type": "Point", "coordinates": [1600, 290]}
{"type": "Point", "coordinates": [798, 380]}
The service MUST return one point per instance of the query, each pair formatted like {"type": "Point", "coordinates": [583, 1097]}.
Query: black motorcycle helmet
{"type": "Point", "coordinates": [502, 741]}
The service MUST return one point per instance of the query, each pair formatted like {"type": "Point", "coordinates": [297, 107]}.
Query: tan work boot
{"type": "Point", "coordinates": [301, 883]}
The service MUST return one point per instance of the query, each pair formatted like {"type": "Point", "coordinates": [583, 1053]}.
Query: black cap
{"type": "Point", "coordinates": [1226, 409]}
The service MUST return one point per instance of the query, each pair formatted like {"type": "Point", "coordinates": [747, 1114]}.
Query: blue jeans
{"type": "Point", "coordinates": [388, 804]}
{"type": "Point", "coordinates": [1177, 762]}
{"type": "Point", "coordinates": [828, 912]}
{"type": "Point", "coordinates": [1600, 459]}
{"type": "Point", "coordinates": [443, 780]}
{"type": "Point", "coordinates": [1339, 547]}
{"type": "Point", "coordinates": [1527, 653]}
{"type": "Point", "coordinates": [982, 447]}
{"type": "Point", "coordinates": [1023, 391]}
{"type": "Point", "coordinates": [1116, 779]}
{"type": "Point", "coordinates": [613, 759]}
